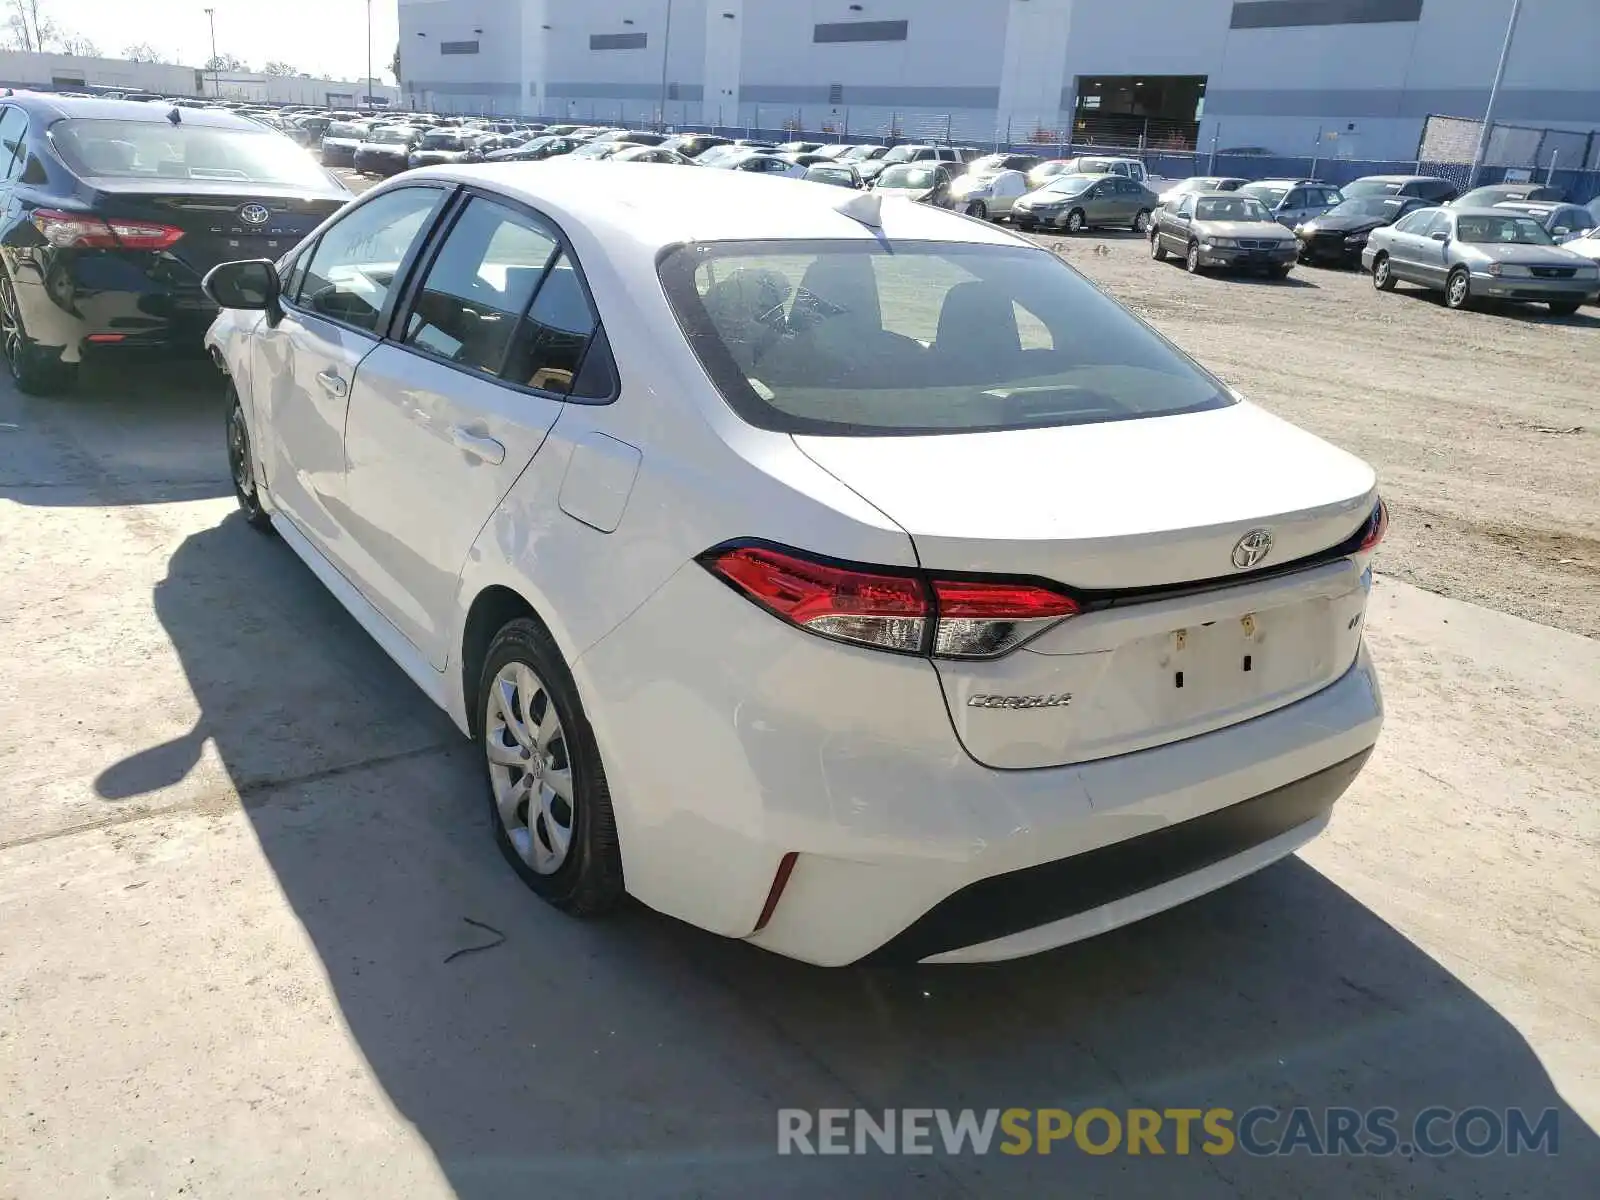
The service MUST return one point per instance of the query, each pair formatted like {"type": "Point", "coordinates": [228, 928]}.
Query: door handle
{"type": "Point", "coordinates": [484, 448]}
{"type": "Point", "coordinates": [333, 384]}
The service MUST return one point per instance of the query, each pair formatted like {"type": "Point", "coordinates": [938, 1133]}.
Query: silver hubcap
{"type": "Point", "coordinates": [1075, 222]}
{"type": "Point", "coordinates": [1142, 222]}
{"type": "Point", "coordinates": [1194, 256]}
{"type": "Point", "coordinates": [1381, 272]}
{"type": "Point", "coordinates": [10, 325]}
{"type": "Point", "coordinates": [529, 768]}
{"type": "Point", "coordinates": [1458, 289]}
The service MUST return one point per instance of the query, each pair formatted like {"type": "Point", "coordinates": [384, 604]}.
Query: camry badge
{"type": "Point", "coordinates": [255, 214]}
{"type": "Point", "coordinates": [1252, 548]}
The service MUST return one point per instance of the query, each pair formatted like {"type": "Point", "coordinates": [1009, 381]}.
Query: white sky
{"type": "Point", "coordinates": [320, 37]}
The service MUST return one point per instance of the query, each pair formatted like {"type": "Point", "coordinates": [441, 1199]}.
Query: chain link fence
{"type": "Point", "coordinates": [1563, 157]}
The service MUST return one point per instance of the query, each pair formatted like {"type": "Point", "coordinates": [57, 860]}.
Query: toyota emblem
{"type": "Point", "coordinates": [255, 214]}
{"type": "Point", "coordinates": [1252, 548]}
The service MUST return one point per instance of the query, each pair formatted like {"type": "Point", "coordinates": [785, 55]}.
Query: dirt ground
{"type": "Point", "coordinates": [1484, 426]}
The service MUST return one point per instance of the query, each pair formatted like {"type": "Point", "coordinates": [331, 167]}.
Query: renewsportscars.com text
{"type": "Point", "coordinates": [1261, 1131]}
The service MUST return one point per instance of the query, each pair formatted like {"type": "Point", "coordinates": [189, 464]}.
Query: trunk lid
{"type": "Point", "coordinates": [1123, 514]}
{"type": "Point", "coordinates": [221, 223]}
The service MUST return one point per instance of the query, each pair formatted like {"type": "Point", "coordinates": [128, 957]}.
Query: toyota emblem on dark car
{"type": "Point", "coordinates": [255, 214]}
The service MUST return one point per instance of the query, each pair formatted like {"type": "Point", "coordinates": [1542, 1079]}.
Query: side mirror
{"type": "Point", "coordinates": [252, 285]}
{"type": "Point", "coordinates": [1440, 235]}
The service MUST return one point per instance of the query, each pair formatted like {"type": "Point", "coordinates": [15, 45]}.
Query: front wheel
{"type": "Point", "coordinates": [1141, 221]}
{"type": "Point", "coordinates": [1382, 274]}
{"type": "Point", "coordinates": [548, 797]}
{"type": "Point", "coordinates": [978, 209]}
{"type": "Point", "coordinates": [1157, 250]}
{"type": "Point", "coordinates": [1282, 272]}
{"type": "Point", "coordinates": [1457, 289]}
{"type": "Point", "coordinates": [1564, 308]}
{"type": "Point", "coordinates": [241, 465]}
{"type": "Point", "coordinates": [1191, 261]}
{"type": "Point", "coordinates": [1077, 221]}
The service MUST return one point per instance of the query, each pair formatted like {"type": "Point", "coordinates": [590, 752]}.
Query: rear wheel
{"type": "Point", "coordinates": [36, 371]}
{"type": "Point", "coordinates": [1077, 221]}
{"type": "Point", "coordinates": [547, 789]}
{"type": "Point", "coordinates": [1157, 250]}
{"type": "Point", "coordinates": [1141, 221]}
{"type": "Point", "coordinates": [978, 209]}
{"type": "Point", "coordinates": [1564, 308]}
{"type": "Point", "coordinates": [1191, 261]}
{"type": "Point", "coordinates": [1382, 274]}
{"type": "Point", "coordinates": [1457, 289]}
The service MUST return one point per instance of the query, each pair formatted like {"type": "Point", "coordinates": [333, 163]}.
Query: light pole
{"type": "Point", "coordinates": [666, 46]}
{"type": "Point", "coordinates": [1482, 151]}
{"type": "Point", "coordinates": [368, 87]}
{"type": "Point", "coordinates": [216, 83]}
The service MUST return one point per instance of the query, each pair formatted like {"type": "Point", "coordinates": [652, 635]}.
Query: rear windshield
{"type": "Point", "coordinates": [864, 337]}
{"type": "Point", "coordinates": [1373, 187]}
{"type": "Point", "coordinates": [394, 134]}
{"type": "Point", "coordinates": [441, 141]}
{"type": "Point", "coordinates": [1270, 196]}
{"type": "Point", "coordinates": [907, 177]}
{"type": "Point", "coordinates": [161, 150]}
{"type": "Point", "coordinates": [346, 129]}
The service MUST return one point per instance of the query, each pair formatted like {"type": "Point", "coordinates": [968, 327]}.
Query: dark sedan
{"type": "Point", "coordinates": [546, 146]}
{"type": "Point", "coordinates": [445, 146]}
{"type": "Point", "coordinates": [693, 145]}
{"type": "Point", "coordinates": [113, 212]}
{"type": "Point", "coordinates": [1340, 234]}
{"type": "Point", "coordinates": [387, 150]}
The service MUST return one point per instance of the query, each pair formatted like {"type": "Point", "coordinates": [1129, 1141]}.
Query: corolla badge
{"type": "Point", "coordinates": [1252, 548]}
{"type": "Point", "coordinates": [255, 214]}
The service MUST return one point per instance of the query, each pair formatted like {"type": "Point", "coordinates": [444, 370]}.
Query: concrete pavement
{"type": "Point", "coordinates": [239, 855]}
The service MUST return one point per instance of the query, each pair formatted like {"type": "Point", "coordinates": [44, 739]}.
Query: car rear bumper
{"type": "Point", "coordinates": [105, 300]}
{"type": "Point", "coordinates": [722, 764]}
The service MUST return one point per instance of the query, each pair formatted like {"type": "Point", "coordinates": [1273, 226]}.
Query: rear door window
{"type": "Point", "coordinates": [478, 285]}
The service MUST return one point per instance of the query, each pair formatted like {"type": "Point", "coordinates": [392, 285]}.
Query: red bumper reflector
{"type": "Point", "coordinates": [779, 882]}
{"type": "Point", "coordinates": [107, 337]}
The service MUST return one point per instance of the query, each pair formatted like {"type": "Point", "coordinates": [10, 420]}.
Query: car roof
{"type": "Point", "coordinates": [1477, 210]}
{"type": "Point", "coordinates": [45, 104]}
{"type": "Point", "coordinates": [649, 212]}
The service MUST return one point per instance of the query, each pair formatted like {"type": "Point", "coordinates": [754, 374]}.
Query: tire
{"type": "Point", "coordinates": [1564, 308]}
{"type": "Point", "coordinates": [35, 371]}
{"type": "Point", "coordinates": [978, 209]}
{"type": "Point", "coordinates": [241, 463]}
{"type": "Point", "coordinates": [1077, 221]}
{"type": "Point", "coordinates": [1382, 274]}
{"type": "Point", "coordinates": [1191, 261]}
{"type": "Point", "coordinates": [1282, 272]}
{"type": "Point", "coordinates": [575, 867]}
{"type": "Point", "coordinates": [1458, 289]}
{"type": "Point", "coordinates": [1025, 226]}
{"type": "Point", "coordinates": [1157, 250]}
{"type": "Point", "coordinates": [1141, 221]}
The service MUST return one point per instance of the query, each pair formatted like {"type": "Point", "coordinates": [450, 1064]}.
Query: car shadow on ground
{"type": "Point", "coordinates": [142, 430]}
{"type": "Point", "coordinates": [639, 1057]}
{"type": "Point", "coordinates": [1587, 317]}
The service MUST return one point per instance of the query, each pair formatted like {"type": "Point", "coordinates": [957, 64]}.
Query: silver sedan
{"type": "Point", "coordinates": [1480, 253]}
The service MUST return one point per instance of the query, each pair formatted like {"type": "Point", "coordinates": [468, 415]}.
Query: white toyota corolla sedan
{"type": "Point", "coordinates": [822, 569]}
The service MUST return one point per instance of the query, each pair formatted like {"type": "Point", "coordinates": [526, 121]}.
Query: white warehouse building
{"type": "Point", "coordinates": [1353, 78]}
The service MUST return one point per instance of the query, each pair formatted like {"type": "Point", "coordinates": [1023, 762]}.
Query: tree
{"type": "Point", "coordinates": [31, 30]}
{"type": "Point", "coordinates": [226, 62]}
{"type": "Point", "coordinates": [394, 64]}
{"type": "Point", "coordinates": [79, 46]}
{"type": "Point", "coordinates": [144, 52]}
{"type": "Point", "coordinates": [279, 68]}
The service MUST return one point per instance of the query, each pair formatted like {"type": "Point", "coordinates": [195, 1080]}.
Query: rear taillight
{"type": "Point", "coordinates": [86, 231]}
{"type": "Point", "coordinates": [905, 611]}
{"type": "Point", "coordinates": [1377, 525]}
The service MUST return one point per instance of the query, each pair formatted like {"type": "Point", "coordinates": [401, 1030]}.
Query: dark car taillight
{"type": "Point", "coordinates": [907, 612]}
{"type": "Point", "coordinates": [65, 229]}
